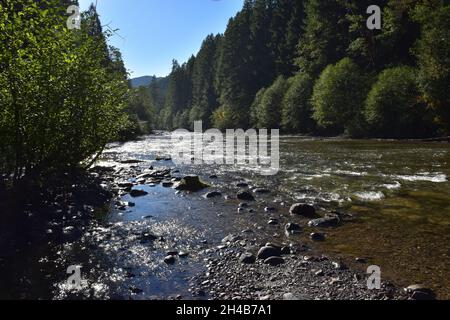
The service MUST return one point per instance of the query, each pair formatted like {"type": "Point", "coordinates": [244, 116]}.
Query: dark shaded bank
{"type": "Point", "coordinates": [36, 220]}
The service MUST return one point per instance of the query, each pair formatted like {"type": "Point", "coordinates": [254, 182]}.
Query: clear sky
{"type": "Point", "coordinates": [156, 31]}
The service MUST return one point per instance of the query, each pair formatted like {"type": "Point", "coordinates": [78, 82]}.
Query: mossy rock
{"type": "Point", "coordinates": [191, 183]}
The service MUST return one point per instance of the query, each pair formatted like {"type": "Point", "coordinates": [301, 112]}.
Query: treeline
{"type": "Point", "coordinates": [144, 106]}
{"type": "Point", "coordinates": [63, 92]}
{"type": "Point", "coordinates": [312, 66]}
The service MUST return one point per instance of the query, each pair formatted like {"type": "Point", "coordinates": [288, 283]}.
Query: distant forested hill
{"type": "Point", "coordinates": [141, 81]}
{"type": "Point", "coordinates": [313, 66]}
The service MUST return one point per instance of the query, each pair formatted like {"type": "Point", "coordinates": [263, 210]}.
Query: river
{"type": "Point", "coordinates": [396, 191]}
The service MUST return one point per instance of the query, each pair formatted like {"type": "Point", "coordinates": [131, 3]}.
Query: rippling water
{"type": "Point", "coordinates": [398, 192]}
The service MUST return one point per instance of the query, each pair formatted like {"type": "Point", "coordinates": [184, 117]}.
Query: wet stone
{"type": "Point", "coordinates": [292, 227]}
{"type": "Point", "coordinates": [303, 209]}
{"type": "Point", "coordinates": [213, 194]}
{"type": "Point", "coordinates": [261, 190]}
{"type": "Point", "coordinates": [138, 193]}
{"type": "Point", "coordinates": [170, 259]}
{"type": "Point", "coordinates": [315, 236]}
{"type": "Point", "coordinates": [267, 252]}
{"type": "Point", "coordinates": [183, 254]}
{"type": "Point", "coordinates": [330, 221]}
{"type": "Point", "coordinates": [167, 184]}
{"type": "Point", "coordinates": [242, 184]}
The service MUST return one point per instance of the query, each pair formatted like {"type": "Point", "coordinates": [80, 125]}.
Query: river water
{"type": "Point", "coordinates": [397, 192]}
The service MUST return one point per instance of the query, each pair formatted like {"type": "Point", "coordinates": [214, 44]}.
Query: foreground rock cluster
{"type": "Point", "coordinates": [241, 268]}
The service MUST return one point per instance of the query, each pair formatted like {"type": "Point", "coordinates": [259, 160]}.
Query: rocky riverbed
{"type": "Point", "coordinates": [141, 227]}
{"type": "Point", "coordinates": [241, 265]}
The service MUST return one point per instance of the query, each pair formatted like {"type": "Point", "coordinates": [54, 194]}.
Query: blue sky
{"type": "Point", "coordinates": [156, 31]}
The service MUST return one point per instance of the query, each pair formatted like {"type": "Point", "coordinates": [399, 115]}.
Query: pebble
{"type": "Point", "coordinates": [247, 258]}
{"type": "Point", "coordinates": [261, 190]}
{"type": "Point", "coordinates": [290, 297]}
{"type": "Point", "coordinates": [167, 184]}
{"type": "Point", "coordinates": [242, 184]}
{"type": "Point", "coordinates": [213, 194]}
{"type": "Point", "coordinates": [169, 259]}
{"type": "Point", "coordinates": [319, 273]}
{"type": "Point", "coordinates": [293, 227]}
{"type": "Point", "coordinates": [183, 254]}
{"type": "Point", "coordinates": [138, 193]}
{"type": "Point", "coordinates": [231, 238]}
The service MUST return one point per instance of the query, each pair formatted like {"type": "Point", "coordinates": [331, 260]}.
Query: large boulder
{"type": "Point", "coordinates": [303, 209]}
{"type": "Point", "coordinates": [191, 183]}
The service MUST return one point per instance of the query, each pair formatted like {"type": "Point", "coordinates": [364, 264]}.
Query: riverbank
{"type": "Point", "coordinates": [37, 220]}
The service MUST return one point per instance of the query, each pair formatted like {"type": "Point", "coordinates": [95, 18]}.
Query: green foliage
{"type": "Point", "coordinates": [268, 110]}
{"type": "Point", "coordinates": [254, 109]}
{"type": "Point", "coordinates": [433, 54]}
{"type": "Point", "coordinates": [204, 99]}
{"type": "Point", "coordinates": [325, 39]}
{"type": "Point", "coordinates": [393, 106]}
{"type": "Point", "coordinates": [179, 94]}
{"type": "Point", "coordinates": [338, 98]}
{"type": "Point", "coordinates": [61, 96]}
{"type": "Point", "coordinates": [268, 39]}
{"type": "Point", "coordinates": [296, 108]}
{"type": "Point", "coordinates": [224, 117]}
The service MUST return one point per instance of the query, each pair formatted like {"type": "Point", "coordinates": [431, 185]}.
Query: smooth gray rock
{"type": "Point", "coordinates": [267, 252]}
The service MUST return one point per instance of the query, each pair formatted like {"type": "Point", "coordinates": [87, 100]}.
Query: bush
{"type": "Point", "coordinates": [61, 99]}
{"type": "Point", "coordinates": [338, 98]}
{"type": "Point", "coordinates": [254, 109]}
{"type": "Point", "coordinates": [433, 52]}
{"type": "Point", "coordinates": [296, 115]}
{"type": "Point", "coordinates": [393, 107]}
{"type": "Point", "coordinates": [268, 110]}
